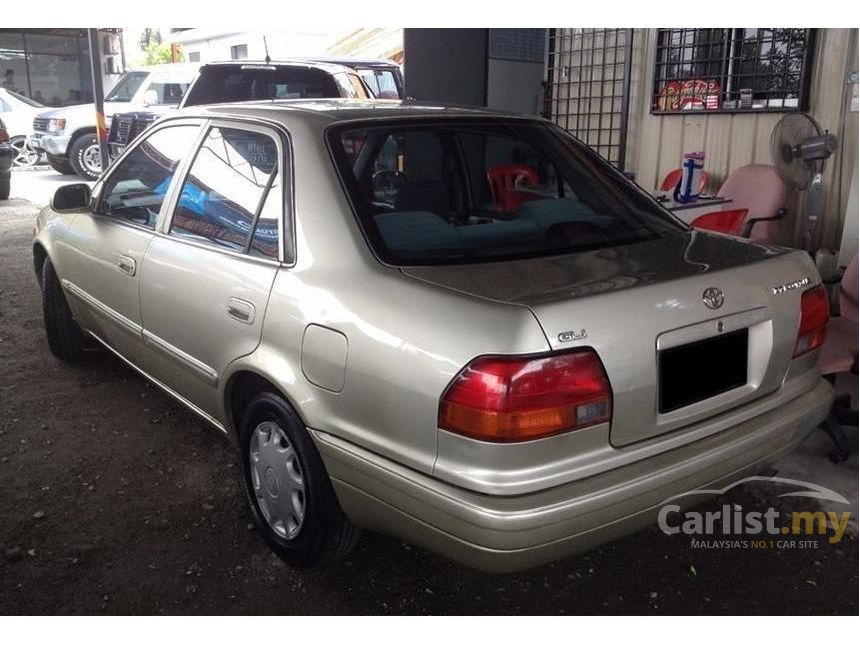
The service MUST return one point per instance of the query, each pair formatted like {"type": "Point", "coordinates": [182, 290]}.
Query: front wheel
{"type": "Point", "coordinates": [288, 489]}
{"type": "Point", "coordinates": [60, 164]}
{"type": "Point", "coordinates": [85, 157]}
{"type": "Point", "coordinates": [64, 335]}
{"type": "Point", "coordinates": [25, 156]}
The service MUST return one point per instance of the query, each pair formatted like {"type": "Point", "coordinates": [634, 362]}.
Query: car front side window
{"type": "Point", "coordinates": [136, 189]}
{"type": "Point", "coordinates": [231, 197]}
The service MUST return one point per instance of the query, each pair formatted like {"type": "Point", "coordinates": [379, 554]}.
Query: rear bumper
{"type": "Point", "coordinates": [509, 533]}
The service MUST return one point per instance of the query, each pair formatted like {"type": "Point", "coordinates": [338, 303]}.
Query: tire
{"type": "Point", "coordinates": [65, 337]}
{"type": "Point", "coordinates": [5, 188]}
{"type": "Point", "coordinates": [324, 534]}
{"type": "Point", "coordinates": [60, 164]}
{"type": "Point", "coordinates": [82, 155]}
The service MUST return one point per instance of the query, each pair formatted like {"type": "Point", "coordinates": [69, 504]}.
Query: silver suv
{"type": "Point", "coordinates": [68, 135]}
{"type": "Point", "coordinates": [457, 327]}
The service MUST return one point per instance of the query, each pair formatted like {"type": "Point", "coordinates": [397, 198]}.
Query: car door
{"type": "Point", "coordinates": [101, 260]}
{"type": "Point", "coordinates": [206, 278]}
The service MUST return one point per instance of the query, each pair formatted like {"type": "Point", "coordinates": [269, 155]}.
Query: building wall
{"type": "Point", "coordinates": [516, 63]}
{"type": "Point", "coordinates": [499, 68]}
{"type": "Point", "coordinates": [515, 86]}
{"type": "Point", "coordinates": [446, 65]}
{"type": "Point", "coordinates": [215, 44]}
{"type": "Point", "coordinates": [656, 143]}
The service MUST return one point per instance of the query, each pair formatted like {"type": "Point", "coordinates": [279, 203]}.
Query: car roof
{"type": "Point", "coordinates": [166, 68]}
{"type": "Point", "coordinates": [331, 68]}
{"type": "Point", "coordinates": [351, 62]}
{"type": "Point", "coordinates": [342, 110]}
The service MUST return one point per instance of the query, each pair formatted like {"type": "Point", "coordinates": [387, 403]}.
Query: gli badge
{"type": "Point", "coordinates": [713, 298]}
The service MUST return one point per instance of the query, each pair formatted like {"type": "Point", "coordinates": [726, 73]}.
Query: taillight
{"type": "Point", "coordinates": [814, 313]}
{"type": "Point", "coordinates": [520, 398]}
{"type": "Point", "coordinates": [4, 136]}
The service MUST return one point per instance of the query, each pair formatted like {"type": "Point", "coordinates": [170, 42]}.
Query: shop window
{"type": "Point", "coordinates": [239, 52]}
{"type": "Point", "coordinates": [50, 66]}
{"type": "Point", "coordinates": [732, 70]}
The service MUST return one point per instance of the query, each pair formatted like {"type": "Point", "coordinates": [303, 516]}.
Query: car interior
{"type": "Point", "coordinates": [480, 192]}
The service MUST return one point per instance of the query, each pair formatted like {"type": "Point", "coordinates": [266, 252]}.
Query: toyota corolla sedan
{"type": "Point", "coordinates": [461, 328]}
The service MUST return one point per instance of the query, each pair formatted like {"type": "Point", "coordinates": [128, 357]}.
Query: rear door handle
{"type": "Point", "coordinates": [127, 264]}
{"type": "Point", "coordinates": [241, 310]}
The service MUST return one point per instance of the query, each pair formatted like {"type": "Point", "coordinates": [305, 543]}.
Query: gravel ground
{"type": "Point", "coordinates": [114, 499]}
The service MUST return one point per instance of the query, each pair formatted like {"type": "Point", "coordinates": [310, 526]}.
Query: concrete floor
{"type": "Point", "coordinates": [37, 184]}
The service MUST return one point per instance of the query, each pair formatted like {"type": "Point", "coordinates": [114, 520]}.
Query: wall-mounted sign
{"type": "Point", "coordinates": [694, 94]}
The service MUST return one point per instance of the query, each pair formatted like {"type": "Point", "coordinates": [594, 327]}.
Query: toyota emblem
{"type": "Point", "coordinates": [713, 298]}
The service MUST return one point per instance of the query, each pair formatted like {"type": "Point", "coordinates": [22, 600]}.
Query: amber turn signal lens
{"type": "Point", "coordinates": [814, 314]}
{"type": "Point", "coordinates": [502, 398]}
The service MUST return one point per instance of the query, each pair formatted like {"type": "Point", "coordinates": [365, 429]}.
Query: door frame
{"type": "Point", "coordinates": [286, 223]}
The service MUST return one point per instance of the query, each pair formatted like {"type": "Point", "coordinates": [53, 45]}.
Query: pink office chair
{"type": "Point", "coordinates": [839, 354]}
{"type": "Point", "coordinates": [759, 189]}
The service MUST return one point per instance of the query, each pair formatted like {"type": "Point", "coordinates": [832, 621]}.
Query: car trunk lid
{"type": "Point", "coordinates": [637, 305]}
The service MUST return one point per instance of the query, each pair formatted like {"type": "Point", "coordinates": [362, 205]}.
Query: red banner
{"type": "Point", "coordinates": [694, 94]}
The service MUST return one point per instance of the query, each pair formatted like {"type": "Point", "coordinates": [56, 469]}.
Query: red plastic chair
{"type": "Point", "coordinates": [671, 180]}
{"type": "Point", "coordinates": [505, 182]}
{"type": "Point", "coordinates": [730, 222]}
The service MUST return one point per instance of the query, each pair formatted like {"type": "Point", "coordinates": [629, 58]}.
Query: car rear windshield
{"type": "Point", "coordinates": [456, 192]}
{"type": "Point", "coordinates": [231, 83]}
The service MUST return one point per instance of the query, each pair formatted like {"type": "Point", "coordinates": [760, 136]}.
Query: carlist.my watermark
{"type": "Point", "coordinates": [733, 527]}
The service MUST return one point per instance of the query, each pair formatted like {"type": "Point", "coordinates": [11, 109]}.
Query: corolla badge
{"type": "Point", "coordinates": [789, 286]}
{"type": "Point", "coordinates": [713, 298]}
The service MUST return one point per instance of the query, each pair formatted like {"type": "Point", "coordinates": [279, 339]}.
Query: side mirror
{"type": "Point", "coordinates": [150, 97]}
{"type": "Point", "coordinates": [73, 197]}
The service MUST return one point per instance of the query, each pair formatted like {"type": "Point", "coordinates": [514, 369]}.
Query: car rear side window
{"type": "Point", "coordinates": [381, 82]}
{"type": "Point", "coordinates": [232, 196]}
{"type": "Point", "coordinates": [169, 93]}
{"type": "Point", "coordinates": [136, 189]}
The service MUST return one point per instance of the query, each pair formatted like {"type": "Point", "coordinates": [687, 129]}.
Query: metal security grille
{"type": "Point", "coordinates": [732, 70]}
{"type": "Point", "coordinates": [588, 86]}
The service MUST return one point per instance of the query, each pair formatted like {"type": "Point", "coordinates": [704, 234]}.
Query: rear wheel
{"type": "Point", "coordinates": [288, 489]}
{"type": "Point", "coordinates": [85, 157]}
{"type": "Point", "coordinates": [60, 164]}
{"type": "Point", "coordinates": [65, 337]}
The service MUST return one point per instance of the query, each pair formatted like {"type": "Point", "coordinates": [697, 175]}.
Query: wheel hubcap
{"type": "Point", "coordinates": [276, 475]}
{"type": "Point", "coordinates": [92, 159]}
{"type": "Point", "coordinates": [24, 154]}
